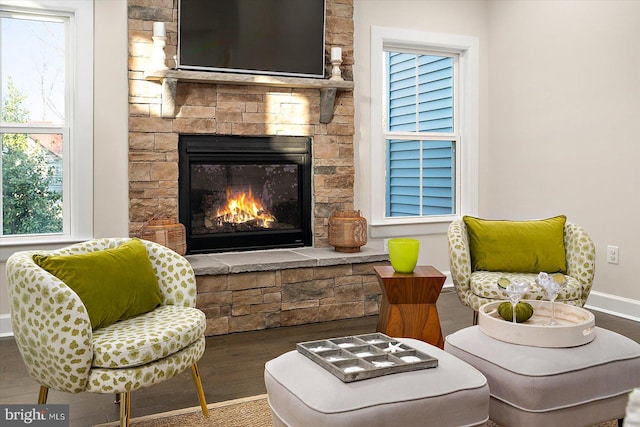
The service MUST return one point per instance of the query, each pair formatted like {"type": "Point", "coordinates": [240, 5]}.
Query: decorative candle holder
{"type": "Point", "coordinates": [347, 231]}
{"type": "Point", "coordinates": [159, 56]}
{"type": "Point", "coordinates": [159, 43]}
{"type": "Point", "coordinates": [336, 74]}
{"type": "Point", "coordinates": [336, 60]}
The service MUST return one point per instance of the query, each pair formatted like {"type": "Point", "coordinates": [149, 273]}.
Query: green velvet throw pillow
{"type": "Point", "coordinates": [114, 284]}
{"type": "Point", "coordinates": [517, 246]}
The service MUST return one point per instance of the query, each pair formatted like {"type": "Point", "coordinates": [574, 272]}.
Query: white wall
{"type": "Point", "coordinates": [111, 120]}
{"type": "Point", "coordinates": [564, 124]}
{"type": "Point", "coordinates": [468, 18]}
{"type": "Point", "coordinates": [559, 120]}
{"type": "Point", "coordinates": [111, 200]}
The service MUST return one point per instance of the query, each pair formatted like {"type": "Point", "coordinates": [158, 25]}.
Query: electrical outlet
{"type": "Point", "coordinates": [612, 254]}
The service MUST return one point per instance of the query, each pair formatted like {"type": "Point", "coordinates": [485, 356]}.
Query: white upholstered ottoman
{"type": "Point", "coordinates": [535, 386]}
{"type": "Point", "coordinates": [301, 393]}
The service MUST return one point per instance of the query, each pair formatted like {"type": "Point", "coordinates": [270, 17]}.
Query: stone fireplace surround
{"type": "Point", "coordinates": [249, 291]}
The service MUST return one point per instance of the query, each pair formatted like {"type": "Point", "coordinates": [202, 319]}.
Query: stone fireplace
{"type": "Point", "coordinates": [240, 292]}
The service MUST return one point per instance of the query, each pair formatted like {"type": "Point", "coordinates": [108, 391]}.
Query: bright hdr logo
{"type": "Point", "coordinates": [35, 415]}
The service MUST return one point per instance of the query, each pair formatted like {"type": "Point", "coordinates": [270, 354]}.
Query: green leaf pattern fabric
{"type": "Point", "coordinates": [148, 337]}
{"type": "Point", "coordinates": [475, 288]}
{"type": "Point", "coordinates": [54, 336]}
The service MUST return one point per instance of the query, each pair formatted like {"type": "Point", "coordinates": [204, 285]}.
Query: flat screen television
{"type": "Point", "coordinates": [277, 37]}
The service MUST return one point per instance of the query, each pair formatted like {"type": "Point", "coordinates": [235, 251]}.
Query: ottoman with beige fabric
{"type": "Point", "coordinates": [302, 393]}
{"type": "Point", "coordinates": [537, 386]}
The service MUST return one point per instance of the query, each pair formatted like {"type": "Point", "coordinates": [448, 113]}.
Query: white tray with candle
{"type": "Point", "coordinates": [575, 325]}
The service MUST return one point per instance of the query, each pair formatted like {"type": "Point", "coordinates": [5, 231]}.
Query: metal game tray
{"type": "Point", "coordinates": [360, 357]}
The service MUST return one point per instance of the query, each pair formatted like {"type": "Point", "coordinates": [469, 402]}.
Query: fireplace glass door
{"type": "Point", "coordinates": [245, 193]}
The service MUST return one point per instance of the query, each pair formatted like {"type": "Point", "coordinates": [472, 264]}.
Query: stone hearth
{"type": "Point", "coordinates": [243, 291]}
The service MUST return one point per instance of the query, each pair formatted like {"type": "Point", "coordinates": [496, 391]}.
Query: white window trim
{"type": "Point", "coordinates": [467, 49]}
{"type": "Point", "coordinates": [79, 175]}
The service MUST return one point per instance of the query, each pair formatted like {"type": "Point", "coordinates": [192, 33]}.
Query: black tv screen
{"type": "Point", "coordinates": [283, 37]}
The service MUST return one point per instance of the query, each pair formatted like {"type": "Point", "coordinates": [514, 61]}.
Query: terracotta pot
{"type": "Point", "coordinates": [166, 231]}
{"type": "Point", "coordinates": [347, 231]}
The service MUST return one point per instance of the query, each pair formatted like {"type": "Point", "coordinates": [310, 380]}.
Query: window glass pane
{"type": "Point", "coordinates": [438, 178]}
{"type": "Point", "coordinates": [32, 61]}
{"type": "Point", "coordinates": [402, 92]}
{"type": "Point", "coordinates": [435, 93]}
{"type": "Point", "coordinates": [420, 178]}
{"type": "Point", "coordinates": [420, 93]}
{"type": "Point", "coordinates": [403, 178]}
{"type": "Point", "coordinates": [31, 183]}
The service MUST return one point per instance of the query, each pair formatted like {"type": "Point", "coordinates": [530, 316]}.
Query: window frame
{"type": "Point", "coordinates": [78, 126]}
{"type": "Point", "coordinates": [466, 122]}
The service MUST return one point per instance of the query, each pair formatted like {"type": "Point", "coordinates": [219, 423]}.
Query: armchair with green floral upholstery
{"type": "Point", "coordinates": [483, 251]}
{"type": "Point", "coordinates": [106, 316]}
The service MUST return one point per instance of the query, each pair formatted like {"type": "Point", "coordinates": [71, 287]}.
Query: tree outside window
{"type": "Point", "coordinates": [32, 61]}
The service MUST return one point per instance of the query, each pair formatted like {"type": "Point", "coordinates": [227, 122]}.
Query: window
{"type": "Point", "coordinates": [46, 121]}
{"type": "Point", "coordinates": [420, 135]}
{"type": "Point", "coordinates": [424, 127]}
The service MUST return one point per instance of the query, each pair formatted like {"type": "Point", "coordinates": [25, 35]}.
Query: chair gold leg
{"type": "Point", "coordinates": [42, 396]}
{"type": "Point", "coordinates": [475, 317]}
{"type": "Point", "coordinates": [196, 379]}
{"type": "Point", "coordinates": [125, 409]}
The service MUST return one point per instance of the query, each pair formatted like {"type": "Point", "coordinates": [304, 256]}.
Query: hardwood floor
{"type": "Point", "coordinates": [232, 366]}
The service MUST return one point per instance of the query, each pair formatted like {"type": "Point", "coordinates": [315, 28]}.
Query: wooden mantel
{"type": "Point", "coordinates": [170, 78]}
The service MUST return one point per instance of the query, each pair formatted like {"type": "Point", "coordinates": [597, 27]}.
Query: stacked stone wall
{"type": "Point", "coordinates": [270, 299]}
{"type": "Point", "coordinates": [232, 110]}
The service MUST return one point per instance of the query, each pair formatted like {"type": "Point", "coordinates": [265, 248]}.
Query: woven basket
{"type": "Point", "coordinates": [167, 232]}
{"type": "Point", "coordinates": [347, 231]}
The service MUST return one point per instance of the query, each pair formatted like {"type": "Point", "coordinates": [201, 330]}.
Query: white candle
{"type": "Point", "coordinates": [336, 54]}
{"type": "Point", "coordinates": [159, 29]}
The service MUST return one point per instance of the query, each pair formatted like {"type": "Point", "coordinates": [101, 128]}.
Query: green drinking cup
{"type": "Point", "coordinates": [403, 254]}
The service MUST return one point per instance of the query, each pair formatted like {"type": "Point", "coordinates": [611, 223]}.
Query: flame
{"type": "Point", "coordinates": [243, 207]}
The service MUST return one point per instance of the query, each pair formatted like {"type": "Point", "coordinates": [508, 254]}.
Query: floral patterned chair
{"type": "Point", "coordinates": [61, 350]}
{"type": "Point", "coordinates": [475, 288]}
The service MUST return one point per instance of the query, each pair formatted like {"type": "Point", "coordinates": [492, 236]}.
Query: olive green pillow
{"type": "Point", "coordinates": [114, 284]}
{"type": "Point", "coordinates": [517, 246]}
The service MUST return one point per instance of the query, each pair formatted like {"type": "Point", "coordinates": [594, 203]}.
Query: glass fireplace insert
{"type": "Point", "coordinates": [244, 193]}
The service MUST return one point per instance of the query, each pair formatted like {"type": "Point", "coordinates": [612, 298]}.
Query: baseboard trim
{"type": "Point", "coordinates": [615, 305]}
{"type": "Point", "coordinates": [5, 326]}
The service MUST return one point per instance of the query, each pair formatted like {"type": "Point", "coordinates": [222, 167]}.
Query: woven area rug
{"type": "Point", "coordinates": [247, 412]}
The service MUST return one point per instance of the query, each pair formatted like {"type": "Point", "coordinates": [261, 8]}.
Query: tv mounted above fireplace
{"type": "Point", "coordinates": [280, 37]}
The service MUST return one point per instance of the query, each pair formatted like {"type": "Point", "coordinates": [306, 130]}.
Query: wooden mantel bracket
{"type": "Point", "coordinates": [169, 85]}
{"type": "Point", "coordinates": [170, 78]}
{"type": "Point", "coordinates": [327, 101]}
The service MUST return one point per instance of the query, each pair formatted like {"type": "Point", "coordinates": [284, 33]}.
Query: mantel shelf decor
{"type": "Point", "coordinates": [169, 79]}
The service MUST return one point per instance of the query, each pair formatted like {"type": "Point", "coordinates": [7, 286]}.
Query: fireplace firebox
{"type": "Point", "coordinates": [244, 193]}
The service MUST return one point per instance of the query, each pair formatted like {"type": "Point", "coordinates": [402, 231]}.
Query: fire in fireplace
{"type": "Point", "coordinates": [244, 193]}
{"type": "Point", "coordinates": [238, 211]}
